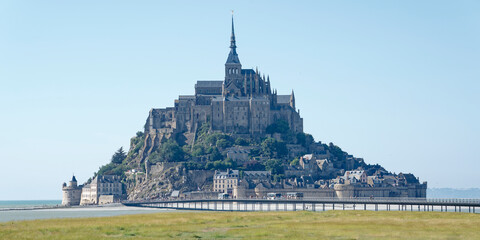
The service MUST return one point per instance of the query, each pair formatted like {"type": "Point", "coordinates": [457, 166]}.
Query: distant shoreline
{"type": "Point", "coordinates": [61, 207]}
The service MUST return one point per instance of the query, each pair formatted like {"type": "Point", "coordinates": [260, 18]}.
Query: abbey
{"type": "Point", "coordinates": [243, 103]}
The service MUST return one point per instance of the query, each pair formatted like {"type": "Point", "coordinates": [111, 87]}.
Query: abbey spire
{"type": "Point", "coordinates": [233, 56]}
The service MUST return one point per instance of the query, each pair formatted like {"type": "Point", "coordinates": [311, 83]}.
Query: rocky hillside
{"type": "Point", "coordinates": [158, 163]}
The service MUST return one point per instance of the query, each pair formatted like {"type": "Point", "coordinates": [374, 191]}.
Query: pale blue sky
{"type": "Point", "coordinates": [394, 82]}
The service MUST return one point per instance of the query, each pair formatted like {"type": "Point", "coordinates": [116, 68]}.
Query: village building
{"type": "Point", "coordinates": [355, 176]}
{"type": "Point", "coordinates": [103, 189]}
{"type": "Point", "coordinates": [238, 154]}
{"type": "Point", "coordinates": [225, 182]}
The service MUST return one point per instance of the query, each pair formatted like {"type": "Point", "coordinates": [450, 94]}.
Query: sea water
{"type": "Point", "coordinates": [28, 204]}
{"type": "Point", "coordinates": [23, 210]}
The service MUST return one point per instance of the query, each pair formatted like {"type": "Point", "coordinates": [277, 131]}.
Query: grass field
{"type": "Point", "coordinates": [254, 225]}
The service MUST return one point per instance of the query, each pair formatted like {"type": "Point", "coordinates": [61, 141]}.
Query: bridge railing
{"type": "Point", "coordinates": [403, 200]}
{"type": "Point", "coordinates": [340, 200]}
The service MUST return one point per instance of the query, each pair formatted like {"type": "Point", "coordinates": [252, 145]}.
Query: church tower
{"type": "Point", "coordinates": [232, 86]}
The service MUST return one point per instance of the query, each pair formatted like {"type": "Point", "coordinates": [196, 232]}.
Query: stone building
{"type": "Point", "coordinates": [71, 193]}
{"type": "Point", "coordinates": [355, 176]}
{"type": "Point", "coordinates": [101, 187]}
{"type": "Point", "coordinates": [238, 154]}
{"type": "Point", "coordinates": [242, 103]}
{"type": "Point", "coordinates": [225, 182]}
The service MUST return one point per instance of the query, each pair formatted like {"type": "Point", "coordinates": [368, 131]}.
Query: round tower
{"type": "Point", "coordinates": [71, 193]}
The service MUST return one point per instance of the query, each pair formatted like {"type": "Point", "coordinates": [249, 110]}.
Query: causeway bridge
{"type": "Point", "coordinates": [317, 204]}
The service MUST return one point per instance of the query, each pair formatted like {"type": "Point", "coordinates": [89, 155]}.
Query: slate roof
{"type": "Point", "coordinates": [410, 178]}
{"type": "Point", "coordinates": [283, 99]}
{"type": "Point", "coordinates": [248, 71]}
{"type": "Point", "coordinates": [209, 84]}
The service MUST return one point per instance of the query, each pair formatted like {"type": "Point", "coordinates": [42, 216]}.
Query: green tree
{"type": "Point", "coordinates": [308, 140]}
{"type": "Point", "coordinates": [215, 155]}
{"type": "Point", "coordinates": [280, 126]}
{"type": "Point", "coordinates": [281, 149]}
{"type": "Point", "coordinates": [269, 147]}
{"type": "Point", "coordinates": [274, 165]}
{"type": "Point", "coordinates": [273, 148]}
{"type": "Point", "coordinates": [198, 151]}
{"type": "Point", "coordinates": [170, 151]}
{"type": "Point", "coordinates": [119, 156]}
{"type": "Point", "coordinates": [154, 157]}
{"type": "Point", "coordinates": [223, 143]}
{"type": "Point", "coordinates": [336, 151]}
{"type": "Point", "coordinates": [105, 169]}
{"type": "Point", "coordinates": [294, 162]}
{"type": "Point", "coordinates": [255, 152]}
{"type": "Point", "coordinates": [289, 137]}
{"type": "Point", "coordinates": [229, 163]}
{"type": "Point", "coordinates": [209, 166]}
{"type": "Point", "coordinates": [241, 142]}
{"type": "Point", "coordinates": [254, 165]}
{"type": "Point", "coordinates": [301, 138]}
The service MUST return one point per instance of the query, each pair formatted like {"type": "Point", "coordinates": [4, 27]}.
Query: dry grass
{"type": "Point", "coordinates": [254, 225]}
